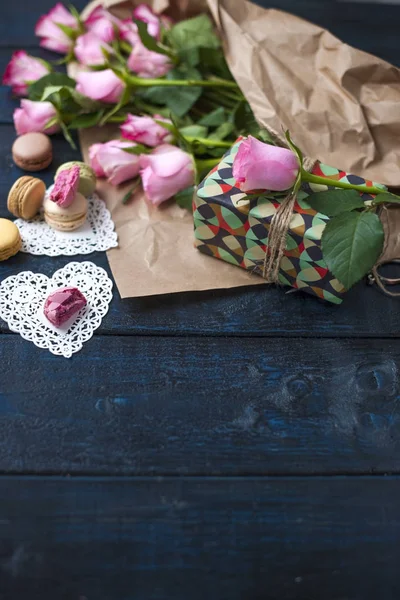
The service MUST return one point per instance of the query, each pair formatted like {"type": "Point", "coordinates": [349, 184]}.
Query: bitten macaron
{"type": "Point", "coordinates": [87, 177]}
{"type": "Point", "coordinates": [66, 218]}
{"type": "Point", "coordinates": [32, 151]}
{"type": "Point", "coordinates": [26, 196]}
{"type": "Point", "coordinates": [10, 239]}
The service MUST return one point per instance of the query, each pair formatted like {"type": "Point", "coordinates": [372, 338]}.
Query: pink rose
{"type": "Point", "coordinates": [52, 36]}
{"type": "Point", "coordinates": [34, 116]}
{"type": "Point", "coordinates": [259, 166]}
{"type": "Point", "coordinates": [165, 172]}
{"type": "Point", "coordinates": [145, 14]}
{"type": "Point", "coordinates": [103, 86]}
{"type": "Point", "coordinates": [22, 70]}
{"type": "Point", "coordinates": [103, 24]}
{"type": "Point", "coordinates": [144, 130]}
{"type": "Point", "coordinates": [109, 160]}
{"type": "Point", "coordinates": [148, 64]}
{"type": "Point", "coordinates": [88, 49]}
{"type": "Point", "coordinates": [129, 32]}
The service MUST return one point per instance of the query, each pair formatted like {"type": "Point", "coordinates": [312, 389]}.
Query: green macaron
{"type": "Point", "coordinates": [87, 177]}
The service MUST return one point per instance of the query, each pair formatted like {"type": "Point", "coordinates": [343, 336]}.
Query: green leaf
{"type": "Point", "coordinates": [37, 88]}
{"type": "Point", "coordinates": [299, 155]}
{"type": "Point", "coordinates": [85, 102]}
{"type": "Point", "coordinates": [67, 135]}
{"type": "Point", "coordinates": [69, 31]}
{"type": "Point", "coordinates": [107, 57]}
{"type": "Point", "coordinates": [333, 202]}
{"type": "Point", "coordinates": [70, 57]}
{"type": "Point", "coordinates": [154, 95]}
{"type": "Point", "coordinates": [50, 90]}
{"type": "Point", "coordinates": [389, 198]}
{"type": "Point", "coordinates": [194, 33]}
{"type": "Point", "coordinates": [194, 131]}
{"type": "Point", "coordinates": [214, 119]}
{"type": "Point", "coordinates": [61, 98]}
{"type": "Point", "coordinates": [52, 121]}
{"type": "Point", "coordinates": [351, 245]}
{"type": "Point", "coordinates": [171, 127]}
{"type": "Point", "coordinates": [185, 198]}
{"type": "Point", "coordinates": [129, 194]}
{"type": "Point", "coordinates": [212, 60]}
{"type": "Point", "coordinates": [180, 99]}
{"type": "Point", "coordinates": [207, 60]}
{"type": "Point", "coordinates": [174, 129]}
{"type": "Point", "coordinates": [147, 40]}
{"type": "Point", "coordinates": [138, 149]}
{"type": "Point", "coordinates": [265, 136]}
{"type": "Point", "coordinates": [222, 132]}
{"type": "Point", "coordinates": [294, 148]}
{"type": "Point", "coordinates": [244, 120]}
{"type": "Point", "coordinates": [86, 120]}
{"type": "Point", "coordinates": [123, 100]}
{"type": "Point", "coordinates": [74, 12]}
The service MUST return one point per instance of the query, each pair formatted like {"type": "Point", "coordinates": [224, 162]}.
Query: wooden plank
{"type": "Point", "coordinates": [158, 405]}
{"type": "Point", "coordinates": [360, 25]}
{"type": "Point", "coordinates": [18, 20]}
{"type": "Point", "coordinates": [266, 311]}
{"type": "Point", "coordinates": [194, 538]}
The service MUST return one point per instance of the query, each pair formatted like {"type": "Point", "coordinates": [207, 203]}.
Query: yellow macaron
{"type": "Point", "coordinates": [10, 239]}
{"type": "Point", "coordinates": [66, 218]}
{"type": "Point", "coordinates": [26, 196]}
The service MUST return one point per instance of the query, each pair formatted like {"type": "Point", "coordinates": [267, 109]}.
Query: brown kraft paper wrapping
{"type": "Point", "coordinates": [340, 104]}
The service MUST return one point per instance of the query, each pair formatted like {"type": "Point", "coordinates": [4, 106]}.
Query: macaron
{"type": "Point", "coordinates": [10, 239]}
{"type": "Point", "coordinates": [87, 177]}
{"type": "Point", "coordinates": [66, 218]}
{"type": "Point", "coordinates": [26, 196]}
{"type": "Point", "coordinates": [32, 151]}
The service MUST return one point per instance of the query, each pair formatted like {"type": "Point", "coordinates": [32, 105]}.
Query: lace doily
{"type": "Point", "coordinates": [22, 299]}
{"type": "Point", "coordinates": [96, 234]}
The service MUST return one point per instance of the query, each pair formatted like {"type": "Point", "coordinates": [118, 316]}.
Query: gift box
{"type": "Point", "coordinates": [234, 227]}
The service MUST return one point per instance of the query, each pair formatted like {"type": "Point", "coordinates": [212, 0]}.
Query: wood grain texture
{"type": "Point", "coordinates": [266, 311]}
{"type": "Point", "coordinates": [292, 396]}
{"type": "Point", "coordinates": [359, 24]}
{"type": "Point", "coordinates": [148, 405]}
{"type": "Point", "coordinates": [291, 539]}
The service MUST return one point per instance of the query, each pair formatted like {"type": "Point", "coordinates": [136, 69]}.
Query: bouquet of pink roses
{"type": "Point", "coordinates": [166, 84]}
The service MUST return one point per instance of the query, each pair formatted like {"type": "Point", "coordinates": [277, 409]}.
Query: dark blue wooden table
{"type": "Point", "coordinates": [228, 445]}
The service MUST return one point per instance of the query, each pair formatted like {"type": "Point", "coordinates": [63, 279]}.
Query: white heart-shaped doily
{"type": "Point", "coordinates": [96, 234]}
{"type": "Point", "coordinates": [22, 299]}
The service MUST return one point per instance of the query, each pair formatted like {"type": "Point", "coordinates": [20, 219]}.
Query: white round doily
{"type": "Point", "coordinates": [96, 234]}
{"type": "Point", "coordinates": [22, 299]}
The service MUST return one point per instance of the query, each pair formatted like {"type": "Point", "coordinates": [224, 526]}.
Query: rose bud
{"type": "Point", "coordinates": [148, 64]}
{"type": "Point", "coordinates": [111, 161]}
{"type": "Point", "coordinates": [103, 24]}
{"type": "Point", "coordinates": [53, 38]}
{"type": "Point", "coordinates": [88, 49]}
{"type": "Point", "coordinates": [103, 86]}
{"type": "Point", "coordinates": [259, 166]}
{"type": "Point", "coordinates": [22, 70]}
{"type": "Point", "coordinates": [34, 116]}
{"type": "Point", "coordinates": [145, 130]}
{"type": "Point", "coordinates": [129, 32]}
{"type": "Point", "coordinates": [145, 14]}
{"type": "Point", "coordinates": [165, 172]}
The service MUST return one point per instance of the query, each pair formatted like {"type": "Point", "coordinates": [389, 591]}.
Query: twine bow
{"type": "Point", "coordinates": [280, 225]}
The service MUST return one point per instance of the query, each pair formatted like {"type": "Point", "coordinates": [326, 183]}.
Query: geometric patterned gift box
{"type": "Point", "coordinates": [230, 226]}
